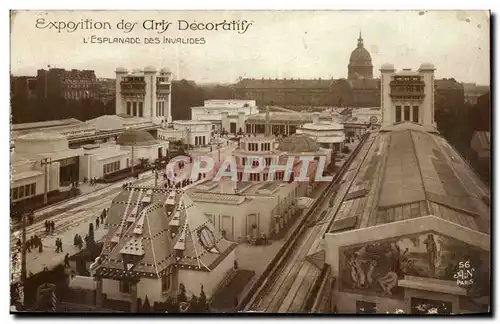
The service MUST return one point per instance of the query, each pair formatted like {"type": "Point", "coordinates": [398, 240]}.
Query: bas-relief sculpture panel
{"type": "Point", "coordinates": [375, 268]}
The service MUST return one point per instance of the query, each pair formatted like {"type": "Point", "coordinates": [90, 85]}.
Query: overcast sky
{"type": "Point", "coordinates": [278, 44]}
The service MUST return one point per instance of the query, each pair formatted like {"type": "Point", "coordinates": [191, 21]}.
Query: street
{"type": "Point", "coordinates": [73, 217]}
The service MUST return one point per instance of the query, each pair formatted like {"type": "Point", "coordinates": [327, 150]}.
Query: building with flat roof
{"type": "Point", "coordinates": [190, 132]}
{"type": "Point", "coordinates": [144, 93]}
{"type": "Point", "coordinates": [246, 210]}
{"type": "Point", "coordinates": [407, 95]}
{"type": "Point", "coordinates": [69, 84]}
{"type": "Point", "coordinates": [98, 130]}
{"type": "Point", "coordinates": [473, 91]}
{"type": "Point", "coordinates": [148, 253]}
{"type": "Point", "coordinates": [228, 115]}
{"type": "Point", "coordinates": [42, 162]}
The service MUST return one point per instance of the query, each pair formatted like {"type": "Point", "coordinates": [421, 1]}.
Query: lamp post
{"type": "Point", "coordinates": [23, 250]}
{"type": "Point", "coordinates": [218, 145]}
{"type": "Point", "coordinates": [45, 162]}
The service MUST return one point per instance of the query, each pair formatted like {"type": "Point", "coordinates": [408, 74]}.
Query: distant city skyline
{"type": "Point", "coordinates": [278, 44]}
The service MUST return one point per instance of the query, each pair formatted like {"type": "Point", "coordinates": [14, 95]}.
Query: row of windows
{"type": "Point", "coordinates": [406, 116]}
{"type": "Point", "coordinates": [132, 108]}
{"type": "Point", "coordinates": [111, 167]}
{"type": "Point", "coordinates": [407, 78]}
{"type": "Point", "coordinates": [255, 162]}
{"type": "Point", "coordinates": [160, 108]}
{"type": "Point", "coordinates": [133, 79]}
{"type": "Point", "coordinates": [403, 98]}
{"type": "Point", "coordinates": [280, 175]}
{"type": "Point", "coordinates": [79, 86]}
{"type": "Point", "coordinates": [200, 140]}
{"type": "Point", "coordinates": [409, 88]}
{"type": "Point", "coordinates": [77, 94]}
{"type": "Point", "coordinates": [25, 191]}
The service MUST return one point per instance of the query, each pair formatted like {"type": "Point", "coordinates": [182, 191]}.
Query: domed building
{"type": "Point", "coordinates": [142, 145]}
{"type": "Point", "coordinates": [298, 144]}
{"type": "Point", "coordinates": [135, 137]}
{"type": "Point", "coordinates": [360, 63]}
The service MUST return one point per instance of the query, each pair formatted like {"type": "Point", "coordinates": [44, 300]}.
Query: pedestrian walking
{"type": "Point", "coordinates": [102, 218]}
{"type": "Point", "coordinates": [40, 246]}
{"type": "Point", "coordinates": [66, 260]}
{"type": "Point", "coordinates": [57, 245]}
{"type": "Point", "coordinates": [80, 242]}
{"type": "Point", "coordinates": [75, 240]}
{"type": "Point", "coordinates": [52, 227]}
{"type": "Point", "coordinates": [27, 247]}
{"type": "Point", "coordinates": [97, 223]}
{"type": "Point", "coordinates": [46, 226]}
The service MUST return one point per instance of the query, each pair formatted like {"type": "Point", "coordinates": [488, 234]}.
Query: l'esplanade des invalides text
{"type": "Point", "coordinates": [157, 26]}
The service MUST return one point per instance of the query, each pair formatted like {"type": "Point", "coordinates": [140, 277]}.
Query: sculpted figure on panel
{"type": "Point", "coordinates": [376, 267]}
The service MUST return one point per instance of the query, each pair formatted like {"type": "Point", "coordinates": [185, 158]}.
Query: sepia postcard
{"type": "Point", "coordinates": [307, 162]}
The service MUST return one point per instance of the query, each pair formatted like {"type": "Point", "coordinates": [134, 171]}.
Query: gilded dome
{"type": "Point", "coordinates": [135, 137]}
{"type": "Point", "coordinates": [298, 144]}
{"type": "Point", "coordinates": [360, 56]}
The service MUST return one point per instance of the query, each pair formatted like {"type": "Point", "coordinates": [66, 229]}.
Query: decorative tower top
{"type": "Point", "coordinates": [360, 40]}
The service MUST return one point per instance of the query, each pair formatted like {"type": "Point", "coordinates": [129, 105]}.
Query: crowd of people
{"type": "Point", "coordinates": [91, 181]}
{"type": "Point", "coordinates": [50, 227]}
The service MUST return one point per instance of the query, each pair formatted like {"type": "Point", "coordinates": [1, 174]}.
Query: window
{"type": "Point", "coordinates": [407, 113]}
{"type": "Point", "coordinates": [243, 160]}
{"type": "Point", "coordinates": [110, 167]}
{"type": "Point", "coordinates": [14, 193]}
{"type": "Point", "coordinates": [21, 192]}
{"type": "Point", "coordinates": [268, 161]}
{"type": "Point", "coordinates": [398, 114]}
{"type": "Point", "coordinates": [125, 287]}
{"type": "Point", "coordinates": [363, 307]}
{"type": "Point", "coordinates": [134, 108]}
{"type": "Point", "coordinates": [415, 114]}
{"type": "Point", "coordinates": [140, 109]}
{"type": "Point", "coordinates": [129, 105]}
{"type": "Point", "coordinates": [165, 283]}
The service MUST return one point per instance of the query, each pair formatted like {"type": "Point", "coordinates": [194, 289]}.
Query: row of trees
{"type": "Point", "coordinates": [185, 94]}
